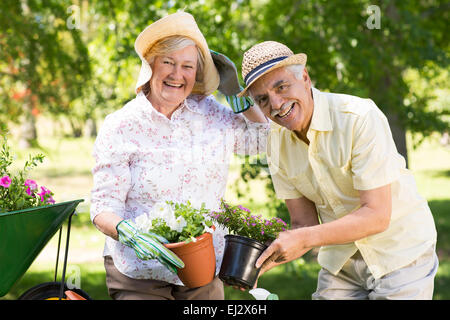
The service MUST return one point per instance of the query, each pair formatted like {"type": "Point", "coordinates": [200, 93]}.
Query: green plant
{"type": "Point", "coordinates": [240, 221]}
{"type": "Point", "coordinates": [175, 221]}
{"type": "Point", "coordinates": [16, 191]}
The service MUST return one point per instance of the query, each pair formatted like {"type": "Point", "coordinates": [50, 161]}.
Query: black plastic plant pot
{"type": "Point", "coordinates": [238, 264]}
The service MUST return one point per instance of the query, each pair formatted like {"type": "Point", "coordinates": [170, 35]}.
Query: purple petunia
{"type": "Point", "coordinates": [240, 221]}
{"type": "Point", "coordinates": [244, 208]}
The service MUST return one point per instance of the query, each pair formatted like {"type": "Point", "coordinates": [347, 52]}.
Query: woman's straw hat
{"type": "Point", "coordinates": [265, 57]}
{"type": "Point", "coordinates": [177, 24]}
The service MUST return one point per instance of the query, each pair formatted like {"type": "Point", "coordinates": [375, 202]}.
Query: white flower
{"type": "Point", "coordinates": [259, 293]}
{"type": "Point", "coordinates": [177, 224]}
{"type": "Point", "coordinates": [207, 229]}
{"type": "Point", "coordinates": [143, 222]}
{"type": "Point", "coordinates": [163, 211]}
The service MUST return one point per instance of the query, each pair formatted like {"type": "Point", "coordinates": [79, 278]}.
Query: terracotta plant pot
{"type": "Point", "coordinates": [238, 264]}
{"type": "Point", "coordinates": [199, 260]}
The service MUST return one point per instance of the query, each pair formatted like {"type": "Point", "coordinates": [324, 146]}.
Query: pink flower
{"type": "Point", "coordinates": [5, 181]}
{"type": "Point", "coordinates": [50, 200]}
{"type": "Point", "coordinates": [32, 185]}
{"type": "Point", "coordinates": [44, 191]}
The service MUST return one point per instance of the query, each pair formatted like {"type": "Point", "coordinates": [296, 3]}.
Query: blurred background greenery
{"type": "Point", "coordinates": [65, 64]}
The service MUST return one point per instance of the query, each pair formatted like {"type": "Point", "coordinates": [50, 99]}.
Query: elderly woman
{"type": "Point", "coordinates": [172, 142]}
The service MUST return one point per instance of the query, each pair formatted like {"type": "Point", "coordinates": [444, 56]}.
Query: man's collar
{"type": "Point", "coordinates": [321, 120]}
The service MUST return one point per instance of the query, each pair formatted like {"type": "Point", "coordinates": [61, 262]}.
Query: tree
{"type": "Point", "coordinates": [43, 63]}
{"type": "Point", "coordinates": [348, 53]}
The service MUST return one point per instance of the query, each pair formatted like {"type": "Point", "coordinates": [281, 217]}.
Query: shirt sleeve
{"type": "Point", "coordinates": [111, 172]}
{"type": "Point", "coordinates": [284, 189]}
{"type": "Point", "coordinates": [250, 137]}
{"type": "Point", "coordinates": [375, 160]}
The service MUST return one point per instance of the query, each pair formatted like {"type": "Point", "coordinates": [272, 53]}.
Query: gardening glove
{"type": "Point", "coordinates": [147, 245]}
{"type": "Point", "coordinates": [229, 83]}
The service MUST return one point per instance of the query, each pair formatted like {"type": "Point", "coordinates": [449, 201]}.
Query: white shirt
{"type": "Point", "coordinates": [142, 157]}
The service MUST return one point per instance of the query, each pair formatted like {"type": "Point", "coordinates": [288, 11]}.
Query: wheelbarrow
{"type": "Point", "coordinates": [23, 235]}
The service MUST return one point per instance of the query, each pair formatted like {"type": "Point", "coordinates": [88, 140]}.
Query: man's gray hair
{"type": "Point", "coordinates": [296, 69]}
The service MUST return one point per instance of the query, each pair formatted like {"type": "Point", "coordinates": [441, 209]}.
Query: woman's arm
{"type": "Point", "coordinates": [254, 114]}
{"type": "Point", "coordinates": [107, 222]}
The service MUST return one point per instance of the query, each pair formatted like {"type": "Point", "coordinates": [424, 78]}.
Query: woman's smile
{"type": "Point", "coordinates": [173, 84]}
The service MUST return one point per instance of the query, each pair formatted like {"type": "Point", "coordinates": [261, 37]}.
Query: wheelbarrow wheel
{"type": "Point", "coordinates": [50, 291]}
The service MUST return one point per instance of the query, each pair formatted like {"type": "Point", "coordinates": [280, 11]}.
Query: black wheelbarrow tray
{"type": "Point", "coordinates": [23, 235]}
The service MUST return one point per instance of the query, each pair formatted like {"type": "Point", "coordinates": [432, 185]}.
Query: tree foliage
{"type": "Point", "coordinates": [43, 63]}
{"type": "Point", "coordinates": [86, 71]}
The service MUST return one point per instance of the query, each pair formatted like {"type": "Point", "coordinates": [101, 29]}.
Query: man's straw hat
{"type": "Point", "coordinates": [265, 57]}
{"type": "Point", "coordinates": [177, 24]}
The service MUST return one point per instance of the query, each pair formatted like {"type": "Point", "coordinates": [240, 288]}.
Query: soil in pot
{"type": "Point", "coordinates": [238, 264]}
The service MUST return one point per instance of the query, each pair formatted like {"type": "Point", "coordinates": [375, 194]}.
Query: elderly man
{"type": "Point", "coordinates": [332, 158]}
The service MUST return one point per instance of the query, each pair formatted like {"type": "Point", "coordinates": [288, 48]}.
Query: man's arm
{"type": "Point", "coordinates": [373, 216]}
{"type": "Point", "coordinates": [302, 212]}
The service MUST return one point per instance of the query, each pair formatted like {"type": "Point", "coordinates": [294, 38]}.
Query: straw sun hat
{"type": "Point", "coordinates": [265, 57]}
{"type": "Point", "coordinates": [179, 24]}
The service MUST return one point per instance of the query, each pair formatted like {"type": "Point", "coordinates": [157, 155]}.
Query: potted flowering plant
{"type": "Point", "coordinates": [249, 237]}
{"type": "Point", "coordinates": [16, 191]}
{"type": "Point", "coordinates": [188, 232]}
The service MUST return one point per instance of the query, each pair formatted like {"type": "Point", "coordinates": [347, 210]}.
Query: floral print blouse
{"type": "Point", "coordinates": [142, 158]}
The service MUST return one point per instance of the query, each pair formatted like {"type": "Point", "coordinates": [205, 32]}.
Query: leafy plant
{"type": "Point", "coordinates": [176, 221]}
{"type": "Point", "coordinates": [16, 191]}
{"type": "Point", "coordinates": [240, 221]}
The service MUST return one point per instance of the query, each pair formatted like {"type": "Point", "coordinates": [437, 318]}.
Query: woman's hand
{"type": "Point", "coordinates": [148, 245]}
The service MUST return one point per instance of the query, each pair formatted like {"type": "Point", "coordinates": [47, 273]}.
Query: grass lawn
{"type": "Point", "coordinates": [66, 171]}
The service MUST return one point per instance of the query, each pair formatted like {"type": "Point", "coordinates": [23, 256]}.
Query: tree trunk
{"type": "Point", "coordinates": [90, 128]}
{"type": "Point", "coordinates": [28, 133]}
{"type": "Point", "coordinates": [76, 129]}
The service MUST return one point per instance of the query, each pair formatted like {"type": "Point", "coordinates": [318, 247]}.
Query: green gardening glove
{"type": "Point", "coordinates": [147, 245]}
{"type": "Point", "coordinates": [229, 83]}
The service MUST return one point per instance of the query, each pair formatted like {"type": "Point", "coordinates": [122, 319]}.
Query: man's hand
{"type": "Point", "coordinates": [287, 247]}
